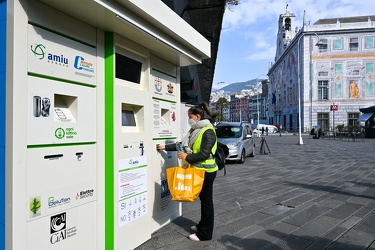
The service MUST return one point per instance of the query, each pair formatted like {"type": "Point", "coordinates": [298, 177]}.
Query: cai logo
{"type": "Point", "coordinates": [35, 205]}
{"type": "Point", "coordinates": [38, 50]}
{"type": "Point", "coordinates": [58, 228]}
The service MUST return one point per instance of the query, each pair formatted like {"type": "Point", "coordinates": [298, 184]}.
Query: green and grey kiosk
{"type": "Point", "coordinates": [88, 89]}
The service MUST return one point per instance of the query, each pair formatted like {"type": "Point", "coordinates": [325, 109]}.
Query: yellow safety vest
{"type": "Point", "coordinates": [208, 165]}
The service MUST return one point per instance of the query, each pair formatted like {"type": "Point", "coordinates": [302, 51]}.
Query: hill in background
{"type": "Point", "coordinates": [238, 86]}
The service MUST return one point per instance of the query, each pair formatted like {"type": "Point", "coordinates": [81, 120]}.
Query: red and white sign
{"type": "Point", "coordinates": [334, 107]}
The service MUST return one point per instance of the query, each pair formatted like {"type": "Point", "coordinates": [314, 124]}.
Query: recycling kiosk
{"type": "Point", "coordinates": [91, 88]}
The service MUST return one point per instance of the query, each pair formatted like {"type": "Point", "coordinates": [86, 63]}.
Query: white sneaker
{"type": "Point", "coordinates": [193, 237]}
{"type": "Point", "coordinates": [194, 229]}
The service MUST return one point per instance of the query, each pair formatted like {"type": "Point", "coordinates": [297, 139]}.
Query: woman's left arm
{"type": "Point", "coordinates": [208, 141]}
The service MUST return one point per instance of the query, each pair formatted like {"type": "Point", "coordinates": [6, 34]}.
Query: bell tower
{"type": "Point", "coordinates": [285, 32]}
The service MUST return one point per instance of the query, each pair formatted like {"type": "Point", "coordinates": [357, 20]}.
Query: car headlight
{"type": "Point", "coordinates": [233, 145]}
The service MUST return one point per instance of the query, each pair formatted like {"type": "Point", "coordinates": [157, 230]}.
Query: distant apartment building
{"type": "Point", "coordinates": [333, 61]}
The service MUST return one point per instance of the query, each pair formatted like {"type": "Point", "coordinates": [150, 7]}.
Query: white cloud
{"type": "Point", "coordinates": [263, 54]}
{"type": "Point", "coordinates": [248, 38]}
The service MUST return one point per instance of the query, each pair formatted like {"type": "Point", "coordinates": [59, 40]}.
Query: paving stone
{"type": "Point", "coordinates": [327, 240]}
{"type": "Point", "coordinates": [290, 242]}
{"type": "Point", "coordinates": [367, 224]}
{"type": "Point", "coordinates": [333, 194]}
{"type": "Point", "coordinates": [353, 239]}
{"type": "Point", "coordinates": [299, 200]}
{"type": "Point", "coordinates": [276, 209]}
{"type": "Point", "coordinates": [306, 215]}
{"type": "Point", "coordinates": [331, 203]}
{"type": "Point", "coordinates": [317, 227]}
{"type": "Point", "coordinates": [344, 211]}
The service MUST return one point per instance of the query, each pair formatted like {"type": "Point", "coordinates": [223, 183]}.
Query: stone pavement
{"type": "Point", "coordinates": [319, 195]}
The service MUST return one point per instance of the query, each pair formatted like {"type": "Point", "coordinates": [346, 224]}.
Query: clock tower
{"type": "Point", "coordinates": [285, 32]}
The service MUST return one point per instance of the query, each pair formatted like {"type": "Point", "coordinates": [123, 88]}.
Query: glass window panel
{"type": "Point", "coordinates": [369, 42]}
{"type": "Point", "coordinates": [369, 68]}
{"type": "Point", "coordinates": [338, 68]}
{"type": "Point", "coordinates": [337, 44]}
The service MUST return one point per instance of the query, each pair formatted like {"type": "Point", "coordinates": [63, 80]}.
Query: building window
{"type": "Point", "coordinates": [355, 72]}
{"type": "Point", "coordinates": [369, 42]}
{"type": "Point", "coordinates": [323, 90]}
{"type": "Point", "coordinates": [353, 44]}
{"type": "Point", "coordinates": [323, 121]}
{"type": "Point", "coordinates": [352, 119]}
{"type": "Point", "coordinates": [323, 45]}
{"type": "Point", "coordinates": [337, 44]}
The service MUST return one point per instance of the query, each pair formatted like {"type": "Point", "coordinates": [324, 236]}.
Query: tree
{"type": "Point", "coordinates": [221, 104]}
{"type": "Point", "coordinates": [232, 2]}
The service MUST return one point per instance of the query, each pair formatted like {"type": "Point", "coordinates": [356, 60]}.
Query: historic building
{"type": "Point", "coordinates": [333, 62]}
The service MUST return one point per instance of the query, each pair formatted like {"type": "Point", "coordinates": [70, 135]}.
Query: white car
{"type": "Point", "coordinates": [238, 137]}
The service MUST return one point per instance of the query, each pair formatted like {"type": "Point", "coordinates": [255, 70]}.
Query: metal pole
{"type": "Point", "coordinates": [257, 103]}
{"type": "Point", "coordinates": [300, 141]}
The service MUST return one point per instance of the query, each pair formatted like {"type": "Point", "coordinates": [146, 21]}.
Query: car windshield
{"type": "Point", "coordinates": [229, 131]}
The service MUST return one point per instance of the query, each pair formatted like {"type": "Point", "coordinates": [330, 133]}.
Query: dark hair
{"type": "Point", "coordinates": [204, 111]}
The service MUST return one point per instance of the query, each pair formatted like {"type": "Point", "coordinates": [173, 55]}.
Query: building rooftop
{"type": "Point", "coordinates": [355, 19]}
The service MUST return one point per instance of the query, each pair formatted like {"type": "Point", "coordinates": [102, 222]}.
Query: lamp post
{"type": "Point", "coordinates": [300, 141]}
{"type": "Point", "coordinates": [258, 98]}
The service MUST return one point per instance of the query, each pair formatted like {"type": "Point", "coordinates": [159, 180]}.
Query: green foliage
{"type": "Point", "coordinates": [340, 128]}
{"type": "Point", "coordinates": [232, 2]}
{"type": "Point", "coordinates": [221, 104]}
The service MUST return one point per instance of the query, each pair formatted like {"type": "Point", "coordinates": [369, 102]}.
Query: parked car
{"type": "Point", "coordinates": [271, 129]}
{"type": "Point", "coordinates": [238, 137]}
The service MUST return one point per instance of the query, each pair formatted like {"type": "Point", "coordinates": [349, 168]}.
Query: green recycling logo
{"type": "Point", "coordinates": [59, 133]}
{"type": "Point", "coordinates": [38, 50]}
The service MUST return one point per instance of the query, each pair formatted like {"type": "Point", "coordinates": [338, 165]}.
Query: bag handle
{"type": "Point", "coordinates": [183, 163]}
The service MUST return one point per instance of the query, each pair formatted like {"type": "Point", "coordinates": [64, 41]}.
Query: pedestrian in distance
{"type": "Point", "coordinates": [202, 141]}
{"type": "Point", "coordinates": [262, 131]}
{"type": "Point", "coordinates": [267, 131]}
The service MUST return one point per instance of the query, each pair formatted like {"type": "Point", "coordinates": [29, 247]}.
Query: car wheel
{"type": "Point", "coordinates": [243, 155]}
{"type": "Point", "coordinates": [252, 154]}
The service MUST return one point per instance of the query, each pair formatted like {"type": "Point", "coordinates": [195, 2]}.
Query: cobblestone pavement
{"type": "Point", "coordinates": [319, 195]}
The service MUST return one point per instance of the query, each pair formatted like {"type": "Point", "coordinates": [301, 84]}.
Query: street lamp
{"type": "Point", "coordinates": [258, 98]}
{"type": "Point", "coordinates": [300, 142]}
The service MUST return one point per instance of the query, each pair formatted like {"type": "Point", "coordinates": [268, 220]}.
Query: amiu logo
{"type": "Point", "coordinates": [39, 51]}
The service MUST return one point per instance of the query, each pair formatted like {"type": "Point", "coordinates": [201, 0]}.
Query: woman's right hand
{"type": "Point", "coordinates": [160, 147]}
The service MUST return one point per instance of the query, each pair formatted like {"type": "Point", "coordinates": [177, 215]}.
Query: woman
{"type": "Point", "coordinates": [201, 142]}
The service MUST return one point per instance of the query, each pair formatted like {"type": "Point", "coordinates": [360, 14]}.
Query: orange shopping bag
{"type": "Point", "coordinates": [185, 184]}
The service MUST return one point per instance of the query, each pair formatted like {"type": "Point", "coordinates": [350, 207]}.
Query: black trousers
{"type": "Point", "coordinates": [206, 225]}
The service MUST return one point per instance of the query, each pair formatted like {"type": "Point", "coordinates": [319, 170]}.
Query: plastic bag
{"type": "Point", "coordinates": [185, 184]}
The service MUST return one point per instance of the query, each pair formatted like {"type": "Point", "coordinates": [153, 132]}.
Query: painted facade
{"type": "Point", "coordinates": [338, 71]}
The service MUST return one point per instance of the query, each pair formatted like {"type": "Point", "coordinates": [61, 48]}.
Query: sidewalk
{"type": "Point", "coordinates": [319, 195]}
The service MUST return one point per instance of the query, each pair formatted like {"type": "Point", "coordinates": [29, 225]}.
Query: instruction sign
{"type": "Point", "coordinates": [132, 189]}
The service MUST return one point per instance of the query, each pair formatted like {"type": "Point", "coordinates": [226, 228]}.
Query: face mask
{"type": "Point", "coordinates": [191, 122]}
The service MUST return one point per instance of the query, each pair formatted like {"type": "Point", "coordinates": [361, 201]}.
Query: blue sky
{"type": "Point", "coordinates": [248, 37]}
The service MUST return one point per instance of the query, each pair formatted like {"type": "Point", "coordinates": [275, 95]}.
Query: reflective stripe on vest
{"type": "Point", "coordinates": [210, 162]}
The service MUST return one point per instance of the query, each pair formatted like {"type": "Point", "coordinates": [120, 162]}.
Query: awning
{"type": "Point", "coordinates": [365, 117]}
